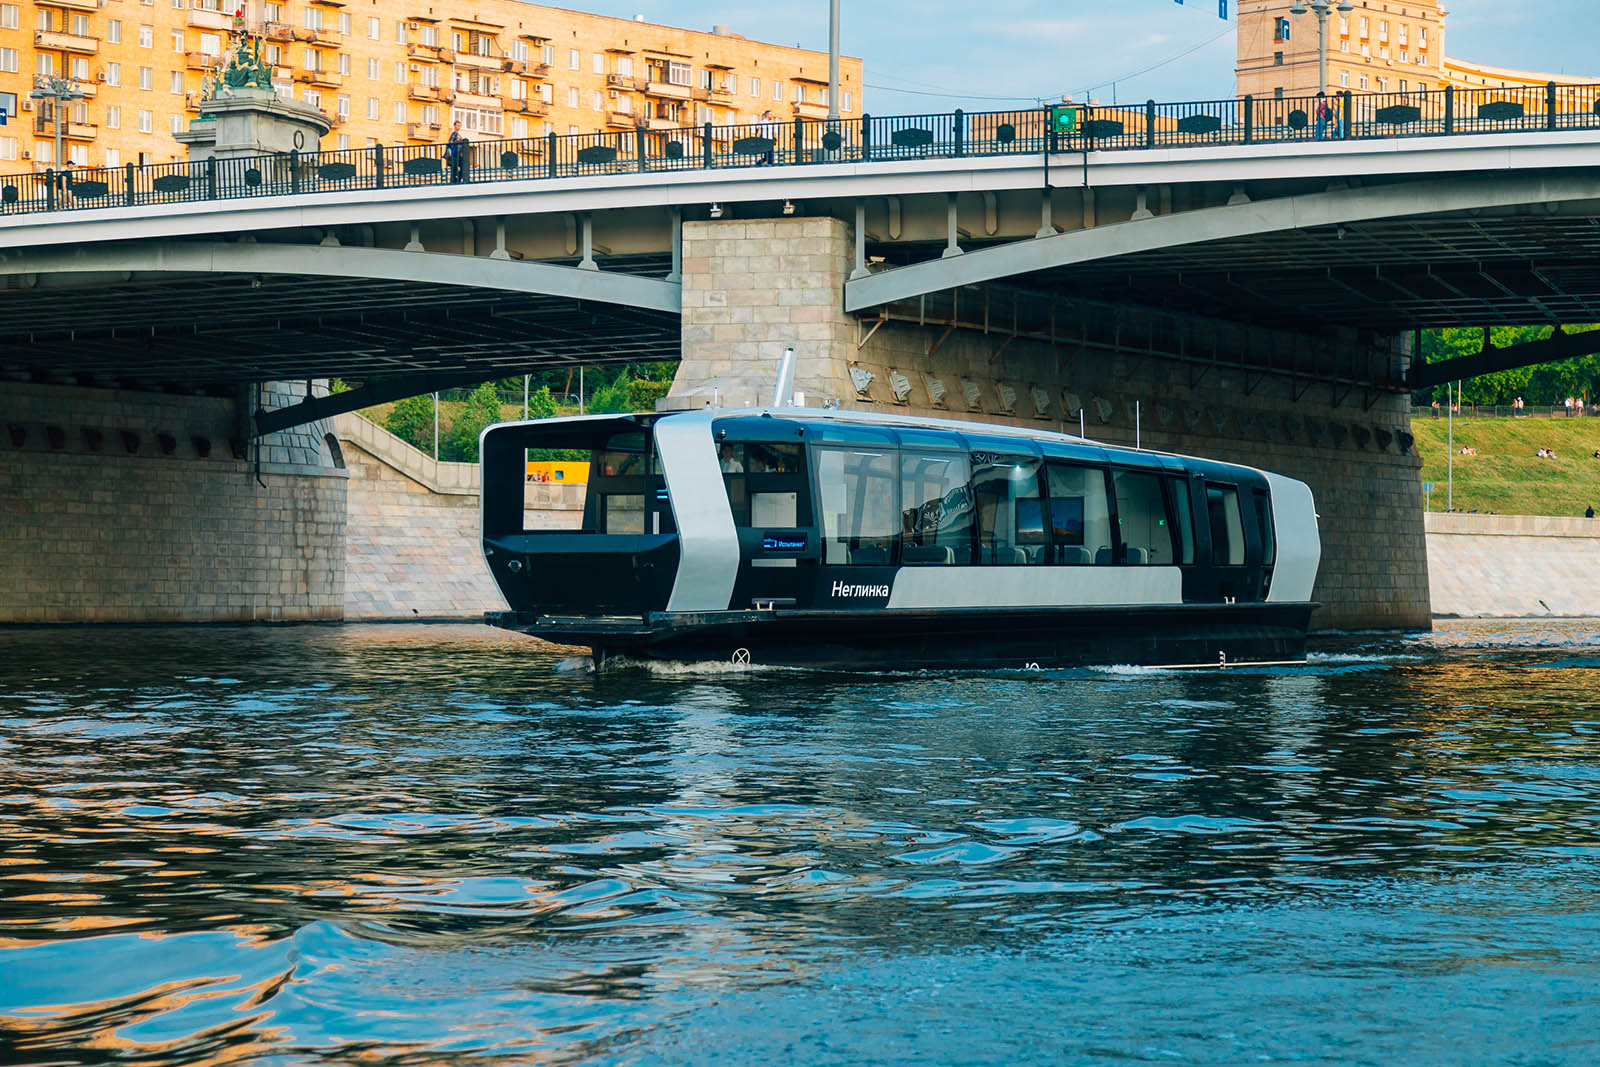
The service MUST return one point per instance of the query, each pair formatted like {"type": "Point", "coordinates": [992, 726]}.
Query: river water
{"type": "Point", "coordinates": [425, 844]}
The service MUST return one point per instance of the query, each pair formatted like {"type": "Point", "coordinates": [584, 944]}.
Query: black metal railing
{"type": "Point", "coordinates": [658, 145]}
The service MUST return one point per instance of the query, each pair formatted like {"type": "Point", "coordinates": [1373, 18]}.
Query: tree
{"type": "Point", "coordinates": [482, 409]}
{"type": "Point", "coordinates": [411, 420]}
{"type": "Point", "coordinates": [541, 405]}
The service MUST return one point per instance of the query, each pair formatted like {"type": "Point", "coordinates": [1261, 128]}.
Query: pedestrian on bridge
{"type": "Point", "coordinates": [456, 153]}
{"type": "Point", "coordinates": [1324, 115]}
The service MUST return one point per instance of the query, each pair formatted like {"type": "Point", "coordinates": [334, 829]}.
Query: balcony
{"type": "Point", "coordinates": [428, 53]}
{"type": "Point", "coordinates": [81, 131]}
{"type": "Point", "coordinates": [199, 60]}
{"type": "Point", "coordinates": [65, 42]}
{"type": "Point", "coordinates": [668, 90]}
{"type": "Point", "coordinates": [202, 19]}
{"type": "Point", "coordinates": [528, 107]}
{"type": "Point", "coordinates": [279, 31]}
{"type": "Point", "coordinates": [473, 59]}
{"type": "Point", "coordinates": [658, 122]}
{"type": "Point", "coordinates": [325, 38]}
{"type": "Point", "coordinates": [621, 81]}
{"type": "Point", "coordinates": [463, 98]}
{"type": "Point", "coordinates": [322, 79]}
{"type": "Point", "coordinates": [625, 119]}
{"type": "Point", "coordinates": [430, 93]}
{"type": "Point", "coordinates": [514, 66]}
{"type": "Point", "coordinates": [804, 110]}
{"type": "Point", "coordinates": [76, 5]}
{"type": "Point", "coordinates": [422, 131]}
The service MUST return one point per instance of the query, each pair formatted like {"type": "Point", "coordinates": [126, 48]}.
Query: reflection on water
{"type": "Point", "coordinates": [408, 844]}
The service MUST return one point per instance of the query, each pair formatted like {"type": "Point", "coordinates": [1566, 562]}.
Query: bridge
{"type": "Point", "coordinates": [1209, 277]}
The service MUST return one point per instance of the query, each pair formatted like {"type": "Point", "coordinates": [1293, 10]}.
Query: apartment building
{"type": "Point", "coordinates": [387, 72]}
{"type": "Point", "coordinates": [1374, 48]}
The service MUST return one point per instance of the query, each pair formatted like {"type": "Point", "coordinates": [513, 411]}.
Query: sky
{"type": "Point", "coordinates": [937, 55]}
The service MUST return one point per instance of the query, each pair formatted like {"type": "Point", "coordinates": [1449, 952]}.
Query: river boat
{"type": "Point", "coordinates": [798, 536]}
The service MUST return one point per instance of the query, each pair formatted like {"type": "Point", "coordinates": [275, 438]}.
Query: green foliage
{"type": "Point", "coordinates": [541, 405]}
{"type": "Point", "coordinates": [411, 420]}
{"type": "Point", "coordinates": [610, 398]}
{"type": "Point", "coordinates": [642, 395]}
{"type": "Point", "coordinates": [1537, 385]}
{"type": "Point", "coordinates": [337, 386]}
{"type": "Point", "coordinates": [482, 409]}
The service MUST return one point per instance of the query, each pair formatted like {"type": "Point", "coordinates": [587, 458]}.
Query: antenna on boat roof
{"type": "Point", "coordinates": [784, 389]}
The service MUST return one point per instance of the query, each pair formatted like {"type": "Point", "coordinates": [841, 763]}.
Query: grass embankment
{"type": "Point", "coordinates": [1507, 476]}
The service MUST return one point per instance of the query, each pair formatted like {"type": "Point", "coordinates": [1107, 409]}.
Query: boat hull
{"type": "Point", "coordinates": [1188, 635]}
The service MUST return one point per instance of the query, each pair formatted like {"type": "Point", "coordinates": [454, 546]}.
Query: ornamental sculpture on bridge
{"type": "Point", "coordinates": [240, 67]}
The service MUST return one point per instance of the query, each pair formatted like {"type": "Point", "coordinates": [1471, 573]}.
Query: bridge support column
{"type": "Point", "coordinates": [751, 288]}
{"type": "Point", "coordinates": [148, 507]}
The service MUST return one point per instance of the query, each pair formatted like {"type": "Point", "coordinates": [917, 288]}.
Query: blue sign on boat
{"type": "Point", "coordinates": [795, 542]}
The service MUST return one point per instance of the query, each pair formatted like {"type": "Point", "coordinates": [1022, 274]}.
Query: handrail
{"type": "Point", "coordinates": [650, 147]}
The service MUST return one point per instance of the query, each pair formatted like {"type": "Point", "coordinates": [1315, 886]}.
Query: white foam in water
{"type": "Point", "coordinates": [575, 664]}
{"type": "Point", "coordinates": [1316, 658]}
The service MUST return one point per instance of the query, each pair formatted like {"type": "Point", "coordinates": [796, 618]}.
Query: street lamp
{"type": "Point", "coordinates": [1322, 8]}
{"type": "Point", "coordinates": [63, 91]}
{"type": "Point", "coordinates": [833, 63]}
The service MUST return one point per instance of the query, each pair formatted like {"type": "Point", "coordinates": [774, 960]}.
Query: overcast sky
{"type": "Point", "coordinates": [935, 55]}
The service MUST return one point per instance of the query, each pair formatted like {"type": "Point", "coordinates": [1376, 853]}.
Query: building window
{"type": "Point", "coordinates": [519, 51]}
{"type": "Point", "coordinates": [343, 106]}
{"type": "Point", "coordinates": [400, 111]}
{"type": "Point", "coordinates": [147, 36]}
{"type": "Point", "coordinates": [314, 98]}
{"type": "Point", "coordinates": [147, 78]}
{"type": "Point", "coordinates": [210, 44]}
{"type": "Point", "coordinates": [1344, 46]}
{"type": "Point", "coordinates": [80, 26]}
{"type": "Point", "coordinates": [9, 16]}
{"type": "Point", "coordinates": [705, 79]}
{"type": "Point", "coordinates": [374, 29]}
{"type": "Point", "coordinates": [374, 70]}
{"type": "Point", "coordinates": [599, 60]}
{"type": "Point", "coordinates": [114, 117]}
{"type": "Point", "coordinates": [8, 148]}
{"type": "Point", "coordinates": [1277, 59]}
{"type": "Point", "coordinates": [1383, 29]}
{"type": "Point", "coordinates": [78, 67]}
{"type": "Point", "coordinates": [1280, 31]}
{"type": "Point", "coordinates": [343, 141]}
{"type": "Point", "coordinates": [428, 35]}
{"type": "Point", "coordinates": [313, 18]}
{"type": "Point", "coordinates": [344, 23]}
{"type": "Point", "coordinates": [572, 96]}
{"type": "Point", "coordinates": [372, 108]}
{"type": "Point", "coordinates": [45, 63]}
{"type": "Point", "coordinates": [519, 89]}
{"type": "Point", "coordinates": [113, 73]}
{"type": "Point", "coordinates": [755, 88]}
{"type": "Point", "coordinates": [400, 31]}
{"type": "Point", "coordinates": [1344, 23]}
{"type": "Point", "coordinates": [147, 121]}
{"type": "Point", "coordinates": [799, 94]}
{"type": "Point", "coordinates": [313, 59]}
{"type": "Point", "coordinates": [175, 123]}
{"type": "Point", "coordinates": [175, 82]}
{"type": "Point", "coordinates": [8, 60]}
{"type": "Point", "coordinates": [597, 101]}
{"type": "Point", "coordinates": [519, 127]}
{"type": "Point", "coordinates": [113, 31]}
{"type": "Point", "coordinates": [1344, 79]}
{"type": "Point", "coordinates": [1405, 57]}
{"type": "Point", "coordinates": [573, 59]}
{"type": "Point", "coordinates": [547, 93]}
{"type": "Point", "coordinates": [679, 74]}
{"type": "Point", "coordinates": [399, 72]}
{"type": "Point", "coordinates": [549, 54]}
{"type": "Point", "coordinates": [1366, 83]}
{"type": "Point", "coordinates": [344, 63]}
{"type": "Point", "coordinates": [1402, 32]}
{"type": "Point", "coordinates": [777, 90]}
{"type": "Point", "coordinates": [1277, 94]}
{"type": "Point", "coordinates": [625, 66]}
{"type": "Point", "coordinates": [113, 158]}
{"type": "Point", "coordinates": [1364, 25]}
{"type": "Point", "coordinates": [1422, 37]}
{"type": "Point", "coordinates": [177, 40]}
{"type": "Point", "coordinates": [430, 115]}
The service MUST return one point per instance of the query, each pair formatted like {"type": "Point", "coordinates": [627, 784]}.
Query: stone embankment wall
{"type": "Point", "coordinates": [1505, 566]}
{"type": "Point", "coordinates": [148, 507]}
{"type": "Point", "coordinates": [412, 548]}
{"type": "Point", "coordinates": [751, 288]}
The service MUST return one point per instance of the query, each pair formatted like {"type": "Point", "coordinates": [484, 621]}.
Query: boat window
{"type": "Point", "coordinates": [1142, 519]}
{"type": "Point", "coordinates": [1080, 520]}
{"type": "Point", "coordinates": [626, 492]}
{"type": "Point", "coordinates": [1269, 544]}
{"type": "Point", "coordinates": [1005, 496]}
{"type": "Point", "coordinates": [1183, 526]}
{"type": "Point", "coordinates": [622, 513]}
{"type": "Point", "coordinates": [935, 509]}
{"type": "Point", "coordinates": [764, 482]}
{"type": "Point", "coordinates": [1227, 530]}
{"type": "Point", "coordinates": [860, 511]}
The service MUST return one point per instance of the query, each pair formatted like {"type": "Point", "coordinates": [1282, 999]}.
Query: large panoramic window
{"type": "Point", "coordinates": [1080, 520]}
{"type": "Point", "coordinates": [860, 515]}
{"type": "Point", "coordinates": [1005, 496]}
{"type": "Point", "coordinates": [935, 509]}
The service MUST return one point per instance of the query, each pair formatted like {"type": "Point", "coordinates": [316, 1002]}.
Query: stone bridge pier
{"type": "Point", "coordinates": [1288, 403]}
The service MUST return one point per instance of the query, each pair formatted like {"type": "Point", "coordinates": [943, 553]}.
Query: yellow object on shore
{"type": "Point", "coordinates": [556, 471]}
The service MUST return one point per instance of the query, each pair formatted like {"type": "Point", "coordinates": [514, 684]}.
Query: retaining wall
{"type": "Point", "coordinates": [1505, 566]}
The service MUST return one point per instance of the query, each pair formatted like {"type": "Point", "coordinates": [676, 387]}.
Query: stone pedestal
{"type": "Point", "coordinates": [253, 122]}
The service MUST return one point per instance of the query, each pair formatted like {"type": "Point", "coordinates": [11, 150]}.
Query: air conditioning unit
{"type": "Point", "coordinates": [99, 75]}
{"type": "Point", "coordinates": [415, 68]}
{"type": "Point", "coordinates": [27, 105]}
{"type": "Point", "coordinates": [26, 154]}
{"type": "Point", "coordinates": [411, 25]}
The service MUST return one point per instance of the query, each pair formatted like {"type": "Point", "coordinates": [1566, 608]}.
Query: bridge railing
{"type": "Point", "coordinates": [659, 145]}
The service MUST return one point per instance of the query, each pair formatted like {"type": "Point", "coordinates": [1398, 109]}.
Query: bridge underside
{"type": "Point", "coordinates": [210, 330]}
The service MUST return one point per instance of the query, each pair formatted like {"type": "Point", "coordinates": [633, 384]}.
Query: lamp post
{"type": "Point", "coordinates": [1322, 8]}
{"type": "Point", "coordinates": [63, 91]}
{"type": "Point", "coordinates": [833, 63]}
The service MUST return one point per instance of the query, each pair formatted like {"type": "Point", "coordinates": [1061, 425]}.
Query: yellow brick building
{"type": "Point", "coordinates": [388, 72]}
{"type": "Point", "coordinates": [1375, 48]}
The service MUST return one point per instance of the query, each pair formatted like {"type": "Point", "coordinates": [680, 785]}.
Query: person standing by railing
{"type": "Point", "coordinates": [1324, 115]}
{"type": "Point", "coordinates": [456, 152]}
{"type": "Point", "coordinates": [769, 130]}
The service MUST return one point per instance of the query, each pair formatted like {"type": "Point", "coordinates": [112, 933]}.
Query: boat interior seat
{"type": "Point", "coordinates": [1073, 556]}
{"type": "Point", "coordinates": [1104, 557]}
{"type": "Point", "coordinates": [1137, 557]}
{"type": "Point", "coordinates": [942, 555]}
{"type": "Point", "coordinates": [870, 555]}
{"type": "Point", "coordinates": [1019, 556]}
